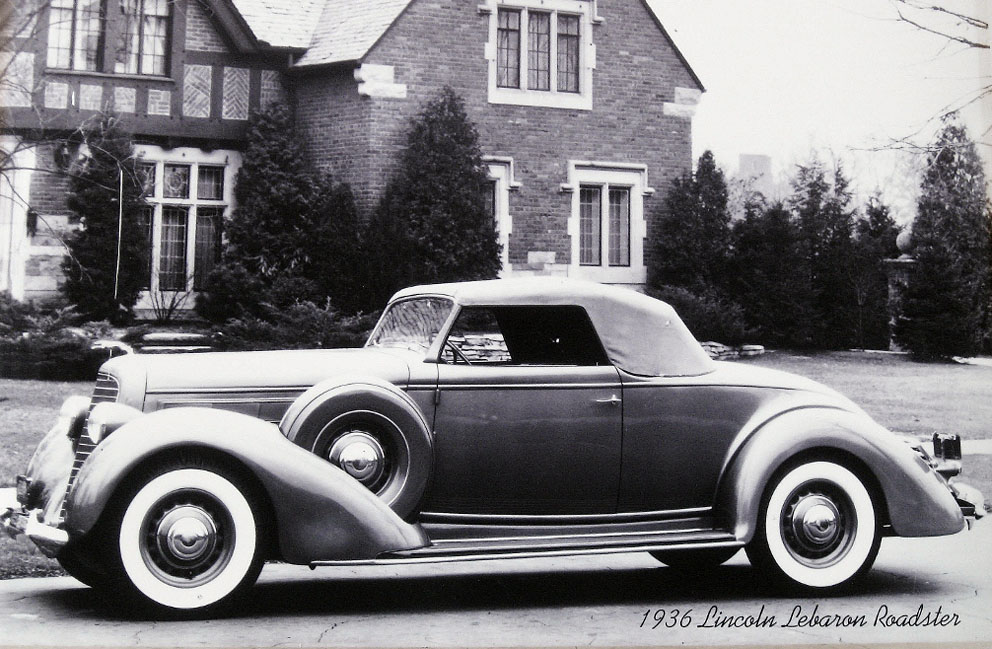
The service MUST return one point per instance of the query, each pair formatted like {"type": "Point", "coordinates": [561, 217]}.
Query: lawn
{"type": "Point", "coordinates": [27, 410]}
{"type": "Point", "coordinates": [901, 394]}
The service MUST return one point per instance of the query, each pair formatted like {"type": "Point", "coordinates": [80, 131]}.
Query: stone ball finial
{"type": "Point", "coordinates": [905, 241]}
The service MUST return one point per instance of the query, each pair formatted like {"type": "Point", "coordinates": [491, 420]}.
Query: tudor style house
{"type": "Point", "coordinates": [583, 108]}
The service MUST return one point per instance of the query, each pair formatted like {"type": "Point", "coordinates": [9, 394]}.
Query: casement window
{"type": "Point", "coordinates": [604, 225]}
{"type": "Point", "coordinates": [188, 196]}
{"type": "Point", "coordinates": [75, 34]}
{"type": "Point", "coordinates": [541, 53]}
{"type": "Point", "coordinates": [138, 32]}
{"type": "Point", "coordinates": [144, 36]}
{"type": "Point", "coordinates": [607, 224]}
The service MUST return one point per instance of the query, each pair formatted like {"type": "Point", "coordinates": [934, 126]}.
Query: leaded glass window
{"type": "Point", "coordinates": [568, 53]}
{"type": "Point", "coordinates": [539, 51]}
{"type": "Point", "coordinates": [210, 184]}
{"type": "Point", "coordinates": [508, 49]}
{"type": "Point", "coordinates": [145, 35]}
{"type": "Point", "coordinates": [176, 181]}
{"type": "Point", "coordinates": [172, 249]}
{"type": "Point", "coordinates": [75, 35]}
{"type": "Point", "coordinates": [619, 226]}
{"type": "Point", "coordinates": [208, 243]}
{"type": "Point", "coordinates": [590, 226]}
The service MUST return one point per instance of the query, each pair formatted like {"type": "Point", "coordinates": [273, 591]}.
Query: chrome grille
{"type": "Point", "coordinates": [106, 389]}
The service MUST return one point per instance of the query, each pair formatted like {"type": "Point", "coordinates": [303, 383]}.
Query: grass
{"type": "Point", "coordinates": [27, 410]}
{"type": "Point", "coordinates": [901, 394]}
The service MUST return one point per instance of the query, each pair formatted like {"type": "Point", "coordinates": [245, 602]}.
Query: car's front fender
{"type": "Point", "coordinates": [320, 512]}
{"type": "Point", "coordinates": [916, 498]}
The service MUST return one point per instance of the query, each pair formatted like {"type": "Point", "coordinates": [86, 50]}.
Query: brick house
{"type": "Point", "coordinates": [583, 107]}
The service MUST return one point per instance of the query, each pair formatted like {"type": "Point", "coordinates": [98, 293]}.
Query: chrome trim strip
{"type": "Point", "coordinates": [594, 535]}
{"type": "Point", "coordinates": [490, 519]}
{"type": "Point", "coordinates": [526, 554]}
{"type": "Point", "coordinates": [447, 387]}
{"type": "Point", "coordinates": [180, 402]}
{"type": "Point", "coordinates": [249, 389]}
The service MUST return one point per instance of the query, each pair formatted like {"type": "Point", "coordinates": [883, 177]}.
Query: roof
{"type": "Point", "coordinates": [641, 335]}
{"type": "Point", "coordinates": [281, 24]}
{"type": "Point", "coordinates": [337, 31]}
{"type": "Point", "coordinates": [347, 30]}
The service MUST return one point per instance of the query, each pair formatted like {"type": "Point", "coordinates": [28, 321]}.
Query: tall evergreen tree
{"type": "Point", "coordinates": [294, 234]}
{"type": "Point", "coordinates": [103, 187]}
{"type": "Point", "coordinates": [945, 305]}
{"type": "Point", "coordinates": [822, 207]}
{"type": "Point", "coordinates": [770, 276]}
{"type": "Point", "coordinates": [432, 224]}
{"type": "Point", "coordinates": [874, 241]}
{"type": "Point", "coordinates": [691, 238]}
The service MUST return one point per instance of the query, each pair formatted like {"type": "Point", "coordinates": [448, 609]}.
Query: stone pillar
{"type": "Point", "coordinates": [899, 271]}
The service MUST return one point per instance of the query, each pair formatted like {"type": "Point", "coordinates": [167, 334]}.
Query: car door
{"type": "Point", "coordinates": [528, 417]}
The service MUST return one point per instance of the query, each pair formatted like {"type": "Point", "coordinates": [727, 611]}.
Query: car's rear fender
{"type": "Point", "coordinates": [916, 499]}
{"type": "Point", "coordinates": [320, 512]}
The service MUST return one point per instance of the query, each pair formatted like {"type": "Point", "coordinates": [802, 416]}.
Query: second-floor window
{"type": "Point", "coordinates": [541, 52]}
{"type": "Point", "coordinates": [144, 36]}
{"type": "Point", "coordinates": [551, 42]}
{"type": "Point", "coordinates": [137, 32]}
{"type": "Point", "coordinates": [75, 34]}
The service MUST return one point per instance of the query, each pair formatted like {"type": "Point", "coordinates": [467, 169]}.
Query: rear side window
{"type": "Point", "coordinates": [524, 335]}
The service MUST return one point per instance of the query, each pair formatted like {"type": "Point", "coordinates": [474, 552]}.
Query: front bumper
{"type": "Point", "coordinates": [17, 520]}
{"type": "Point", "coordinates": [971, 501]}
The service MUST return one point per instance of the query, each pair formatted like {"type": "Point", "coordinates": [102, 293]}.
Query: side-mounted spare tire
{"type": "Point", "coordinates": [371, 430]}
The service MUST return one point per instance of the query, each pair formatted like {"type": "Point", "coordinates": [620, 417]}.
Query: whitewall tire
{"type": "Point", "coordinates": [189, 539]}
{"type": "Point", "coordinates": [818, 527]}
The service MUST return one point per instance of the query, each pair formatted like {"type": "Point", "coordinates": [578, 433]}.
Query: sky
{"type": "Point", "coordinates": [837, 79]}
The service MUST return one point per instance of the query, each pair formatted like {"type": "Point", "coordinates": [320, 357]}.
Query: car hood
{"type": "Point", "coordinates": [253, 370]}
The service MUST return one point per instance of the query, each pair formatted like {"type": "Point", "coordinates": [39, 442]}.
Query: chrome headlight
{"type": "Point", "coordinates": [73, 413]}
{"type": "Point", "coordinates": [108, 417]}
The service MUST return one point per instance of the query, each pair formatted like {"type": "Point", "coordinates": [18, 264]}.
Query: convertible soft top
{"type": "Point", "coordinates": [641, 335]}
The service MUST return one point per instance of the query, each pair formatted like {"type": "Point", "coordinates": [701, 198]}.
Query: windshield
{"type": "Point", "coordinates": [411, 324]}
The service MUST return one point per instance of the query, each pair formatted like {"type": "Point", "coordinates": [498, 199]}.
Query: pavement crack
{"type": "Point", "coordinates": [320, 638]}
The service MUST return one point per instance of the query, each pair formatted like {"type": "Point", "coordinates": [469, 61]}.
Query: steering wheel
{"type": "Point", "coordinates": [459, 355]}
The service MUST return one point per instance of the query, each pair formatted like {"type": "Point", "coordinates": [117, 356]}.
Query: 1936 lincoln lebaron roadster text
{"type": "Point", "coordinates": [509, 418]}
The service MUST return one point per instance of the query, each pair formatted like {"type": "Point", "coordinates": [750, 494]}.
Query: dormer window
{"type": "Point", "coordinates": [541, 53]}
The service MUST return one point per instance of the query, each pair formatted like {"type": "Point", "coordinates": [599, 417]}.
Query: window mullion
{"type": "Point", "coordinates": [524, 48]}
{"type": "Point", "coordinates": [553, 53]}
{"type": "Point", "coordinates": [604, 221]}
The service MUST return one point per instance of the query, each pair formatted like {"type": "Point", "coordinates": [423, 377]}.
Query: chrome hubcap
{"type": "Point", "coordinates": [817, 526]}
{"type": "Point", "coordinates": [188, 539]}
{"type": "Point", "coordinates": [360, 455]}
{"type": "Point", "coordinates": [186, 533]}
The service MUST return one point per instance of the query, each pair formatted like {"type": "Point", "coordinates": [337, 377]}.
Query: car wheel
{"type": "Point", "coordinates": [189, 539]}
{"type": "Point", "coordinates": [371, 431]}
{"type": "Point", "coordinates": [372, 449]}
{"type": "Point", "coordinates": [696, 559]}
{"type": "Point", "coordinates": [817, 528]}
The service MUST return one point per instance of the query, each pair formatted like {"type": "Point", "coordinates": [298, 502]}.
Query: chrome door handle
{"type": "Point", "coordinates": [613, 400]}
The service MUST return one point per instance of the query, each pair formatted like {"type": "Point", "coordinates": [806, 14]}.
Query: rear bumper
{"type": "Point", "coordinates": [16, 521]}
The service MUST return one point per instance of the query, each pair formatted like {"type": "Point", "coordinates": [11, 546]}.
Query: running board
{"type": "Point", "coordinates": [529, 548]}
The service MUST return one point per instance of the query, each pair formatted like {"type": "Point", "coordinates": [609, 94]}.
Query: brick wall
{"type": "Point", "coordinates": [201, 36]}
{"type": "Point", "coordinates": [335, 123]}
{"type": "Point", "coordinates": [442, 42]}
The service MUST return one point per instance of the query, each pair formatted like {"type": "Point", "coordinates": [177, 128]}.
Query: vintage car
{"type": "Point", "coordinates": [506, 418]}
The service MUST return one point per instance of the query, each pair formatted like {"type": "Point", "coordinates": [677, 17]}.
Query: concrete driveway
{"type": "Point", "coordinates": [921, 590]}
